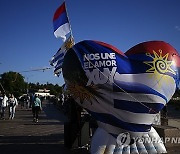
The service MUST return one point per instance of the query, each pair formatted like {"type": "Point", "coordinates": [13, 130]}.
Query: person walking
{"type": "Point", "coordinates": [36, 108]}
{"type": "Point", "coordinates": [21, 101]}
{"type": "Point", "coordinates": [1, 98]}
{"type": "Point", "coordinates": [12, 103]}
{"type": "Point", "coordinates": [27, 101]}
{"type": "Point", "coordinates": [3, 106]}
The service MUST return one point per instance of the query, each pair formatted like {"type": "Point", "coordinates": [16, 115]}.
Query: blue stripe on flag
{"type": "Point", "coordinates": [137, 107]}
{"type": "Point", "coordinates": [57, 69]}
{"type": "Point", "coordinates": [60, 62]}
{"type": "Point", "coordinates": [59, 65]}
{"type": "Point", "coordinates": [112, 120]}
{"type": "Point", "coordinates": [56, 58]}
{"type": "Point", "coordinates": [61, 20]}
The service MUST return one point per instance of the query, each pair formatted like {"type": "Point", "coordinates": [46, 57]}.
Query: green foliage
{"type": "Point", "coordinates": [13, 82]}
{"type": "Point", "coordinates": [54, 89]}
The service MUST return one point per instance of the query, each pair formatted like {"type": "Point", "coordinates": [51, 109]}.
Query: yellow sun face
{"type": "Point", "coordinates": [159, 66]}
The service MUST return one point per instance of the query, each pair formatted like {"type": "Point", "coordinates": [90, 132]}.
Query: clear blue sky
{"type": "Point", "coordinates": [26, 30]}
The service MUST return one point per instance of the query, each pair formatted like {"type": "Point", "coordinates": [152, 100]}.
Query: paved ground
{"type": "Point", "coordinates": [174, 121]}
{"type": "Point", "coordinates": [22, 135]}
{"type": "Point", "coordinates": [173, 116]}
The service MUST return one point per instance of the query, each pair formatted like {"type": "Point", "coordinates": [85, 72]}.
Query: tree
{"type": "Point", "coordinates": [54, 89]}
{"type": "Point", "coordinates": [14, 83]}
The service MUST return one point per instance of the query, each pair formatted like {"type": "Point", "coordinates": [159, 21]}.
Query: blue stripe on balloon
{"type": "Point", "coordinates": [137, 107]}
{"type": "Point", "coordinates": [131, 87]}
{"type": "Point", "coordinates": [140, 57]}
{"type": "Point", "coordinates": [133, 64]}
{"type": "Point", "coordinates": [114, 135]}
{"type": "Point", "coordinates": [178, 78]}
{"type": "Point", "coordinates": [112, 120]}
{"type": "Point", "coordinates": [89, 47]}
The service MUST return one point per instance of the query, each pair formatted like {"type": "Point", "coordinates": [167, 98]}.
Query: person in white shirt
{"type": "Point", "coordinates": [3, 105]}
{"type": "Point", "coordinates": [12, 102]}
{"type": "Point", "coordinates": [1, 98]}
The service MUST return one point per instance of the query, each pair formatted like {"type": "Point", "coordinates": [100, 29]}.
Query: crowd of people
{"type": "Point", "coordinates": [10, 103]}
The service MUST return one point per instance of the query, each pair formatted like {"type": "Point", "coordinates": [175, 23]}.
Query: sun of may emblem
{"type": "Point", "coordinates": [159, 64]}
{"type": "Point", "coordinates": [87, 93]}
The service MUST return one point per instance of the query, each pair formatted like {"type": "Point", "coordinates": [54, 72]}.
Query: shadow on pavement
{"type": "Point", "coordinates": [34, 149]}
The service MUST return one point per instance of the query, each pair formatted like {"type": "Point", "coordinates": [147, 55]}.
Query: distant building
{"type": "Point", "coordinates": [43, 92]}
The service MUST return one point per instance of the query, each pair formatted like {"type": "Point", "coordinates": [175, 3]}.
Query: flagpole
{"type": "Point", "coordinates": [69, 21]}
{"type": "Point", "coordinates": [64, 28]}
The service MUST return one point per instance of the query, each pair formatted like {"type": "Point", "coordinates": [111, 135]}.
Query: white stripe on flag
{"type": "Point", "coordinates": [55, 62]}
{"type": "Point", "coordinates": [62, 31]}
{"type": "Point", "coordinates": [57, 59]}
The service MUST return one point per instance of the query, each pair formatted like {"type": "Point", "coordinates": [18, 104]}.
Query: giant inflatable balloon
{"type": "Point", "coordinates": [122, 91]}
